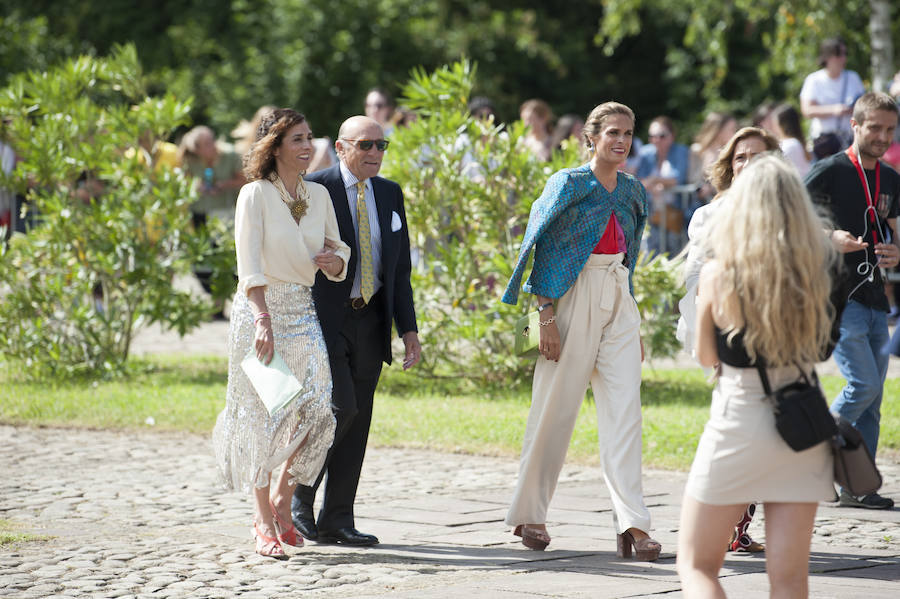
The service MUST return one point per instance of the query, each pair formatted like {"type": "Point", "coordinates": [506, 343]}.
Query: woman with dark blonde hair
{"type": "Point", "coordinates": [746, 143]}
{"type": "Point", "coordinates": [586, 230]}
{"type": "Point", "coordinates": [285, 232]}
{"type": "Point", "coordinates": [737, 153]}
{"type": "Point", "coordinates": [763, 307]}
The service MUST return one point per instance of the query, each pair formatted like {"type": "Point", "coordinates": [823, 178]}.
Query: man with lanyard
{"type": "Point", "coordinates": [862, 194]}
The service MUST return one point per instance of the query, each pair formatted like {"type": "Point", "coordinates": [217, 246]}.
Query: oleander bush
{"type": "Point", "coordinates": [468, 186]}
{"type": "Point", "coordinates": [111, 229]}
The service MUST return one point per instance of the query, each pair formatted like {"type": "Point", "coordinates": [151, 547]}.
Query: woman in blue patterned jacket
{"type": "Point", "coordinates": [586, 231]}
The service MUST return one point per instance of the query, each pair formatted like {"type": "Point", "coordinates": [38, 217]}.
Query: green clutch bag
{"type": "Point", "coordinates": [528, 335]}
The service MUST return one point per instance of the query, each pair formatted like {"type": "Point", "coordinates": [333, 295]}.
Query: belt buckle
{"type": "Point", "coordinates": [357, 303]}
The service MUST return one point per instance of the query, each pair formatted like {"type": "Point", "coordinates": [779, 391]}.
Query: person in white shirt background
{"type": "Point", "coordinates": [827, 95]}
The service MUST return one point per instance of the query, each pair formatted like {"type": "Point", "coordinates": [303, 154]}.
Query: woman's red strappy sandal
{"type": "Point", "coordinates": [267, 546]}
{"type": "Point", "coordinates": [287, 533]}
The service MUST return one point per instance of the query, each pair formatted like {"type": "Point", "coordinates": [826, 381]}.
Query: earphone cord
{"type": "Point", "coordinates": [866, 269]}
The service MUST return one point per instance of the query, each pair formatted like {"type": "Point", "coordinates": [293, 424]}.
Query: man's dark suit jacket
{"type": "Point", "coordinates": [330, 297]}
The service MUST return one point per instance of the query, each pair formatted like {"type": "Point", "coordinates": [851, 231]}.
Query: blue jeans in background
{"type": "Point", "coordinates": [861, 357]}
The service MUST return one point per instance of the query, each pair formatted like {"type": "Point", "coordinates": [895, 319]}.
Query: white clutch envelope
{"type": "Point", "coordinates": [275, 384]}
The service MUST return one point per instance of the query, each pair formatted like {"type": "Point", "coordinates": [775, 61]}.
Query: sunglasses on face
{"type": "Point", "coordinates": [366, 144]}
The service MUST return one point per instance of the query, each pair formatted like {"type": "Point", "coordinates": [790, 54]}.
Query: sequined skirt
{"type": "Point", "coordinates": [249, 442]}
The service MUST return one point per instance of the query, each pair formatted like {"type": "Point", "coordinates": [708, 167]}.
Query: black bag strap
{"type": "Point", "coordinates": [765, 380]}
{"type": "Point", "coordinates": [767, 387]}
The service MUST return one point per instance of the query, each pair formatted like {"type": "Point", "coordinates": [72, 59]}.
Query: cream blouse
{"type": "Point", "coordinates": [271, 246]}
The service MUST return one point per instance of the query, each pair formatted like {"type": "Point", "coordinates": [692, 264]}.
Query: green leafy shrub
{"type": "Point", "coordinates": [657, 289]}
{"type": "Point", "coordinates": [112, 228]}
{"type": "Point", "coordinates": [469, 186]}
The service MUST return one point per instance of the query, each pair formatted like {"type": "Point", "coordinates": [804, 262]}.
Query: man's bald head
{"type": "Point", "coordinates": [351, 128]}
{"type": "Point", "coordinates": [362, 163]}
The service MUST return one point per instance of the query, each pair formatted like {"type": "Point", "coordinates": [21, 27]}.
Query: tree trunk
{"type": "Point", "coordinates": [882, 44]}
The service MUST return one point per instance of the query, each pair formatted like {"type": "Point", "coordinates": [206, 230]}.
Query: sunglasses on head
{"type": "Point", "coordinates": [366, 144]}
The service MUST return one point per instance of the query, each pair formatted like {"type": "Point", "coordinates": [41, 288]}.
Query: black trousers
{"type": "Point", "coordinates": [355, 356]}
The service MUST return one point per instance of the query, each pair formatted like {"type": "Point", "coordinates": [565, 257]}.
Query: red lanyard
{"type": "Point", "coordinates": [862, 177]}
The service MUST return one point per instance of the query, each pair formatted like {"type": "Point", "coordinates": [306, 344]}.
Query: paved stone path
{"type": "Point", "coordinates": [138, 515]}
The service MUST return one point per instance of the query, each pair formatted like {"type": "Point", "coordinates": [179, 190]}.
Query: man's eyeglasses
{"type": "Point", "coordinates": [366, 144]}
{"type": "Point", "coordinates": [658, 136]}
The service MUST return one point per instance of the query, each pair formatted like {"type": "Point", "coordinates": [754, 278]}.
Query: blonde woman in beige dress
{"type": "Point", "coordinates": [285, 232]}
{"type": "Point", "coordinates": [762, 300]}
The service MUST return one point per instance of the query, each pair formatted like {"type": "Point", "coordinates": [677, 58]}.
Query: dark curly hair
{"type": "Point", "coordinates": [259, 162]}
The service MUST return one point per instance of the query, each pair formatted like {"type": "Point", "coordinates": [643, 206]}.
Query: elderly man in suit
{"type": "Point", "coordinates": [356, 316]}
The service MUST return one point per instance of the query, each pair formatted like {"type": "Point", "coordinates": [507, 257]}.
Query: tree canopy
{"type": "Point", "coordinates": [321, 56]}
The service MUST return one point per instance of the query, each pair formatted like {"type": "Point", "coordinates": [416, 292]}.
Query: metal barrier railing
{"type": "Point", "coordinates": [671, 232]}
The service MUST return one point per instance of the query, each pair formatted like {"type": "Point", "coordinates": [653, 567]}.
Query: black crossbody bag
{"type": "Point", "coordinates": [801, 412]}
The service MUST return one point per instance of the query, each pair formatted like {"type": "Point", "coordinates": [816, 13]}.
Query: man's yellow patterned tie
{"type": "Point", "coordinates": [367, 271]}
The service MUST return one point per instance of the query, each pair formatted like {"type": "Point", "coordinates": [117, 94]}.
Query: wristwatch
{"type": "Point", "coordinates": [543, 307]}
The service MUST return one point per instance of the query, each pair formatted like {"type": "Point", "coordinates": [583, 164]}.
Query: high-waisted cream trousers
{"type": "Point", "coordinates": [599, 326]}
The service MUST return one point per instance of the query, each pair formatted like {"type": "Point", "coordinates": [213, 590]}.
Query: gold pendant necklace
{"type": "Point", "coordinates": [299, 206]}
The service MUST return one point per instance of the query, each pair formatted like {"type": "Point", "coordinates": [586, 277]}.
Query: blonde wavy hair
{"type": "Point", "coordinates": [776, 263]}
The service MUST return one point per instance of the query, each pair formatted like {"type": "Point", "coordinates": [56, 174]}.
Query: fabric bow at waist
{"type": "Point", "coordinates": [612, 264]}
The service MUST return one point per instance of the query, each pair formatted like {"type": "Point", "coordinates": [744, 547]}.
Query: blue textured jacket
{"type": "Point", "coordinates": [565, 225]}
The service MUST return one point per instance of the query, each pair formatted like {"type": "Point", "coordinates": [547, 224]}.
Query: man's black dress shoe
{"type": "Point", "coordinates": [306, 525]}
{"type": "Point", "coordinates": [347, 536]}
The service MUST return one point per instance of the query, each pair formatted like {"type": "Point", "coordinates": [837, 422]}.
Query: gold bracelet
{"type": "Point", "coordinates": [544, 323]}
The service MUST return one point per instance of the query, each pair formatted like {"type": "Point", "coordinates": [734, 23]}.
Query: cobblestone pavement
{"type": "Point", "coordinates": [139, 515]}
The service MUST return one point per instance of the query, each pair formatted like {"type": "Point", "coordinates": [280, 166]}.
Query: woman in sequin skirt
{"type": "Point", "coordinates": [285, 232]}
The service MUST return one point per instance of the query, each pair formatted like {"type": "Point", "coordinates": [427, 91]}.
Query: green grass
{"type": "Point", "coordinates": [9, 533]}
{"type": "Point", "coordinates": [186, 394]}
{"type": "Point", "coordinates": [177, 393]}
{"type": "Point", "coordinates": [493, 422]}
